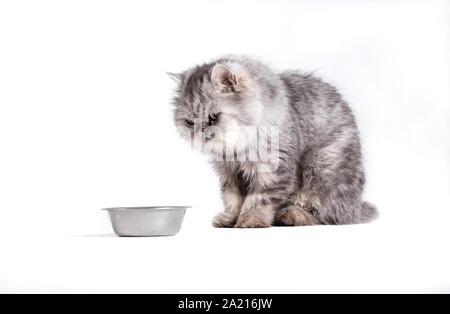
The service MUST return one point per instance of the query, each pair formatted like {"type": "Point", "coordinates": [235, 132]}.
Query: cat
{"type": "Point", "coordinates": [317, 177]}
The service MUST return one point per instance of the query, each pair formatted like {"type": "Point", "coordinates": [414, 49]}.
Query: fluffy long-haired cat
{"type": "Point", "coordinates": [236, 107]}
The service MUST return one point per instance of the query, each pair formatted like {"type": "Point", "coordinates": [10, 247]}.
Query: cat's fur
{"type": "Point", "coordinates": [319, 177]}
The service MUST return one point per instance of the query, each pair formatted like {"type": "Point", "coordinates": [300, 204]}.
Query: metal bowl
{"type": "Point", "coordinates": [146, 221]}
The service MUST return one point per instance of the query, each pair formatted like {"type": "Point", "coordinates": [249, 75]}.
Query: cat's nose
{"type": "Point", "coordinates": [210, 136]}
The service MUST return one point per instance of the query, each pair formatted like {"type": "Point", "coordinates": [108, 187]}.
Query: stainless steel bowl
{"type": "Point", "coordinates": [146, 221]}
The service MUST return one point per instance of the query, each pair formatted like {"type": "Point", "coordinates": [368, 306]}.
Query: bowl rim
{"type": "Point", "coordinates": [124, 208]}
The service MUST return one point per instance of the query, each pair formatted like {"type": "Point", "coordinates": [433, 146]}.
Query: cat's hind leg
{"type": "Point", "coordinates": [295, 216]}
{"type": "Point", "coordinates": [332, 181]}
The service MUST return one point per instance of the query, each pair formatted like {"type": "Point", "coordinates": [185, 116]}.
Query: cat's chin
{"type": "Point", "coordinates": [213, 147]}
{"type": "Point", "coordinates": [209, 147]}
{"type": "Point", "coordinates": [217, 150]}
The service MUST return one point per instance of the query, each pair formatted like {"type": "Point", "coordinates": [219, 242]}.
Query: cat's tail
{"type": "Point", "coordinates": [369, 211]}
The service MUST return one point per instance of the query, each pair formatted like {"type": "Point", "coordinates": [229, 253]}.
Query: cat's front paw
{"type": "Point", "coordinates": [224, 220]}
{"type": "Point", "coordinates": [252, 220]}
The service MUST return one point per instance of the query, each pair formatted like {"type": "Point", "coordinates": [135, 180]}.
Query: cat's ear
{"type": "Point", "coordinates": [223, 79]}
{"type": "Point", "coordinates": [176, 77]}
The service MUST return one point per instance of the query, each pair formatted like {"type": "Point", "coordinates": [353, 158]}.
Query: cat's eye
{"type": "Point", "coordinates": [214, 116]}
{"type": "Point", "coordinates": [189, 122]}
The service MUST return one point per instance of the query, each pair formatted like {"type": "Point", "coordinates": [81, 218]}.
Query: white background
{"type": "Point", "coordinates": [85, 123]}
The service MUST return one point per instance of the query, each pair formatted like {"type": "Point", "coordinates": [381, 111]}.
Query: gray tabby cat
{"type": "Point", "coordinates": [318, 178]}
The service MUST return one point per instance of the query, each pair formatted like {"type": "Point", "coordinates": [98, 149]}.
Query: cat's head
{"type": "Point", "coordinates": [213, 103]}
